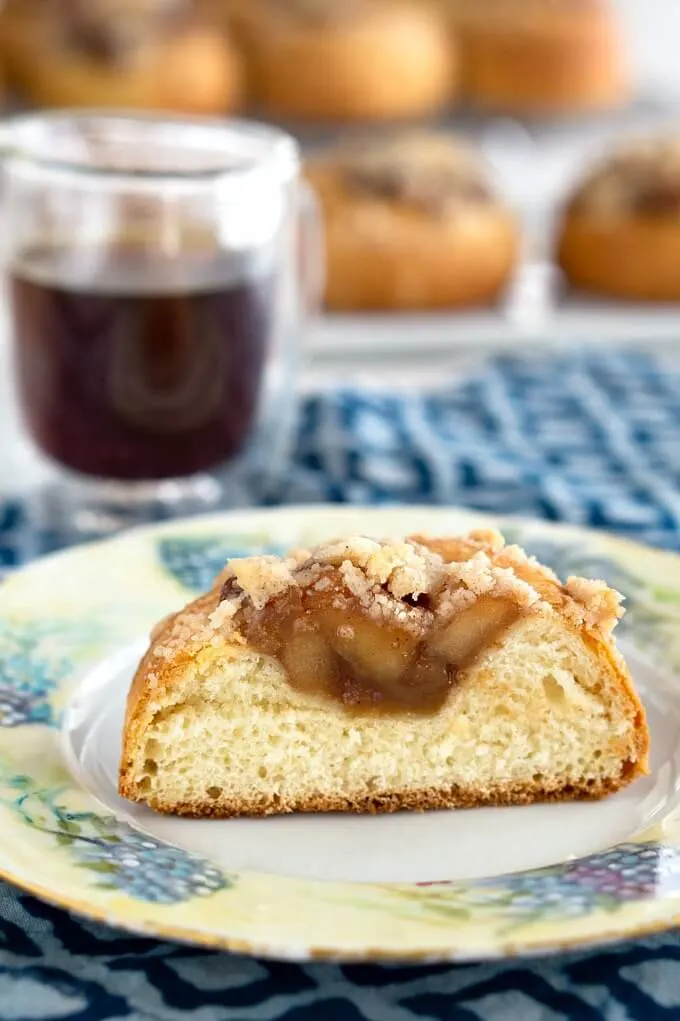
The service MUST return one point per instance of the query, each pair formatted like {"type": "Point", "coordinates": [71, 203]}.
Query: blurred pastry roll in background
{"type": "Point", "coordinates": [540, 56]}
{"type": "Point", "coordinates": [620, 231]}
{"type": "Point", "coordinates": [137, 54]}
{"type": "Point", "coordinates": [346, 60]}
{"type": "Point", "coordinates": [412, 222]}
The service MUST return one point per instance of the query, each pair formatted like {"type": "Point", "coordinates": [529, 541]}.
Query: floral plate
{"type": "Point", "coordinates": [433, 887]}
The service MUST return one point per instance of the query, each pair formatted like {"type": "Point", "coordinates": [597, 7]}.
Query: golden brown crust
{"type": "Point", "coordinates": [154, 678]}
{"type": "Point", "coordinates": [192, 70]}
{"type": "Point", "coordinates": [632, 257]}
{"type": "Point", "coordinates": [396, 801]}
{"type": "Point", "coordinates": [620, 232]}
{"type": "Point", "coordinates": [384, 253]}
{"type": "Point", "coordinates": [542, 58]}
{"type": "Point", "coordinates": [388, 61]}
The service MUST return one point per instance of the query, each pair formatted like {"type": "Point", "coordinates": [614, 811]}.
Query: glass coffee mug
{"type": "Point", "coordinates": [160, 275]}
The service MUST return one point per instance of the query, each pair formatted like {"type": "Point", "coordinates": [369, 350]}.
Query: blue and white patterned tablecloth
{"type": "Point", "coordinates": [590, 438]}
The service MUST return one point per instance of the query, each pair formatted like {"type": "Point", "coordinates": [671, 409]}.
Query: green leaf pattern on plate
{"type": "Point", "coordinates": [115, 856]}
{"type": "Point", "coordinates": [195, 562]}
{"type": "Point", "coordinates": [28, 675]}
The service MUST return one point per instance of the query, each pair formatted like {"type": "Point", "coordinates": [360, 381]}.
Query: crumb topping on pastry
{"type": "Point", "coordinates": [599, 605]}
{"type": "Point", "coordinates": [444, 575]}
{"type": "Point", "coordinates": [413, 581]}
{"type": "Point", "coordinates": [642, 177]}
{"type": "Point", "coordinates": [433, 173]}
{"type": "Point", "coordinates": [385, 624]}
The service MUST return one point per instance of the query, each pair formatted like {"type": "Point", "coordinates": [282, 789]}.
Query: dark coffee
{"type": "Point", "coordinates": [138, 370]}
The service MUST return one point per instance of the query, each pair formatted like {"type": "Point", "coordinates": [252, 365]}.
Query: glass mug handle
{"type": "Point", "coordinates": [312, 253]}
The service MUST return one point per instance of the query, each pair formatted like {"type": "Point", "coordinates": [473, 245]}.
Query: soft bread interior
{"type": "Point", "coordinates": [541, 714]}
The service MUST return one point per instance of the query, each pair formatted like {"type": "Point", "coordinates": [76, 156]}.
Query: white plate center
{"type": "Point", "coordinates": [405, 847]}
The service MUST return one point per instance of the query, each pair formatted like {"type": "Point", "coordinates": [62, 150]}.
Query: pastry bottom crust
{"type": "Point", "coordinates": [395, 801]}
{"type": "Point", "coordinates": [544, 73]}
{"type": "Point", "coordinates": [636, 258]}
{"type": "Point", "coordinates": [194, 72]}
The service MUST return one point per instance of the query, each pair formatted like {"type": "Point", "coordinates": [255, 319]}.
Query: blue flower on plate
{"type": "Point", "coordinates": [116, 856]}
{"type": "Point", "coordinates": [195, 562]}
{"type": "Point", "coordinates": [606, 880]}
{"type": "Point", "coordinates": [28, 676]}
{"type": "Point", "coordinates": [142, 866]}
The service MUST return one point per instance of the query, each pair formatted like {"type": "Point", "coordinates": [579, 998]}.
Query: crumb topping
{"type": "Point", "coordinates": [383, 625]}
{"type": "Point", "coordinates": [600, 604]}
{"type": "Point", "coordinates": [641, 177]}
{"type": "Point", "coordinates": [433, 173]}
{"type": "Point", "coordinates": [439, 577]}
{"type": "Point", "coordinates": [262, 578]}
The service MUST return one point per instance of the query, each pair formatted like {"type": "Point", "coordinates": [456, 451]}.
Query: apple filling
{"type": "Point", "coordinates": [393, 655]}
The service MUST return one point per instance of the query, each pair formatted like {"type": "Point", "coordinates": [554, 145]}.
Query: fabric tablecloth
{"type": "Point", "coordinates": [592, 439]}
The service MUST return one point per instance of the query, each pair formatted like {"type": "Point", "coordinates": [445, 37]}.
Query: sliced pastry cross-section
{"type": "Point", "coordinates": [372, 676]}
